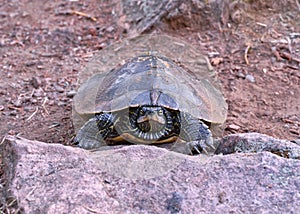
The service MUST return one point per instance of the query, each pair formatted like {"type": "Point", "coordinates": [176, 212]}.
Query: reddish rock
{"type": "Point", "coordinates": [51, 178]}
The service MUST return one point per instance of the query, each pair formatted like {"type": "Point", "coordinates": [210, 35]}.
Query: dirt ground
{"type": "Point", "coordinates": [44, 44]}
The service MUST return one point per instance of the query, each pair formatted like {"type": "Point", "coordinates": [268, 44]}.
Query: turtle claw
{"type": "Point", "coordinates": [203, 143]}
{"type": "Point", "coordinates": [201, 147]}
{"type": "Point", "coordinates": [193, 148]}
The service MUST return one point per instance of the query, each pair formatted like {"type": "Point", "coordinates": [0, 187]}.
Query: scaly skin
{"type": "Point", "coordinates": [109, 129]}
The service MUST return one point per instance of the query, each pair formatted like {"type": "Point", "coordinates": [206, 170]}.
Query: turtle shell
{"type": "Point", "coordinates": [165, 64]}
{"type": "Point", "coordinates": [152, 79]}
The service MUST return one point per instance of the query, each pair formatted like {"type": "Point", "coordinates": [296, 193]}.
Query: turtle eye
{"type": "Point", "coordinates": [141, 112]}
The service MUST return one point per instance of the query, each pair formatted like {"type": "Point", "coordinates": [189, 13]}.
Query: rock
{"type": "Point", "coordinates": [36, 82]}
{"type": "Point", "coordinates": [59, 89]}
{"type": "Point", "coordinates": [250, 78]}
{"type": "Point", "coordinates": [110, 29]}
{"type": "Point", "coordinates": [18, 103]}
{"type": "Point", "coordinates": [137, 17]}
{"type": "Point", "coordinates": [234, 127]}
{"type": "Point", "coordinates": [71, 94]}
{"type": "Point", "coordinates": [255, 142]}
{"type": "Point", "coordinates": [217, 60]}
{"type": "Point", "coordinates": [47, 178]}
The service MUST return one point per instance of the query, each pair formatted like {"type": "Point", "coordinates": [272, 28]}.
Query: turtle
{"type": "Point", "coordinates": [150, 99]}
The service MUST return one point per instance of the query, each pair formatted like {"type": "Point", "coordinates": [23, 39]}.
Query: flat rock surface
{"type": "Point", "coordinates": [52, 178]}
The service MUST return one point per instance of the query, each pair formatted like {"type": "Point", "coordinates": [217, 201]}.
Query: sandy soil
{"type": "Point", "coordinates": [44, 44]}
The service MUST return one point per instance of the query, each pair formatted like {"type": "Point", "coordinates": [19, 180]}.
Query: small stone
{"type": "Point", "coordinates": [2, 92]}
{"type": "Point", "coordinates": [59, 89]}
{"type": "Point", "coordinates": [13, 113]}
{"type": "Point", "coordinates": [241, 75]}
{"type": "Point", "coordinates": [60, 103]}
{"type": "Point", "coordinates": [12, 132]}
{"type": "Point", "coordinates": [33, 101]}
{"type": "Point", "coordinates": [294, 118]}
{"type": "Point", "coordinates": [250, 78]}
{"type": "Point", "coordinates": [1, 107]}
{"type": "Point", "coordinates": [88, 37]}
{"type": "Point", "coordinates": [18, 103]}
{"type": "Point", "coordinates": [216, 60]}
{"type": "Point", "coordinates": [30, 63]}
{"type": "Point", "coordinates": [36, 82]}
{"type": "Point", "coordinates": [51, 102]}
{"type": "Point", "coordinates": [213, 54]}
{"type": "Point", "coordinates": [29, 108]}
{"type": "Point", "coordinates": [71, 94]}
{"type": "Point", "coordinates": [37, 94]}
{"type": "Point", "coordinates": [110, 29]}
{"type": "Point", "coordinates": [234, 127]}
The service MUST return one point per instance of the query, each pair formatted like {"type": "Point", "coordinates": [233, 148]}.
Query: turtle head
{"type": "Point", "coordinates": [151, 118]}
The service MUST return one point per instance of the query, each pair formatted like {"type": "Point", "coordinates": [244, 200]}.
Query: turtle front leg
{"type": "Point", "coordinates": [93, 133]}
{"type": "Point", "coordinates": [197, 136]}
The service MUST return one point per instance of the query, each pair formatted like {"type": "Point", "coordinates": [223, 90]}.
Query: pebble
{"type": "Point", "coordinates": [36, 82]}
{"type": "Point", "coordinates": [28, 108]}
{"type": "Point", "coordinates": [13, 113]}
{"type": "Point", "coordinates": [110, 29]}
{"type": "Point", "coordinates": [33, 101]}
{"type": "Point", "coordinates": [2, 92]}
{"type": "Point", "coordinates": [1, 107]}
{"type": "Point", "coordinates": [71, 94]}
{"type": "Point", "coordinates": [250, 78]}
{"type": "Point", "coordinates": [60, 103]}
{"type": "Point", "coordinates": [38, 93]}
{"type": "Point", "coordinates": [18, 103]}
{"type": "Point", "coordinates": [241, 75]}
{"type": "Point", "coordinates": [295, 118]}
{"type": "Point", "coordinates": [234, 127]}
{"type": "Point", "coordinates": [30, 63]}
{"type": "Point", "coordinates": [59, 89]}
{"type": "Point", "coordinates": [51, 102]}
{"type": "Point", "coordinates": [237, 67]}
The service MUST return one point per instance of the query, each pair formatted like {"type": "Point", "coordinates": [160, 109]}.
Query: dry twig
{"type": "Point", "coordinates": [289, 57]}
{"type": "Point", "coordinates": [3, 139]}
{"type": "Point", "coordinates": [31, 116]}
{"type": "Point", "coordinates": [72, 12]}
{"type": "Point", "coordinates": [44, 105]}
{"type": "Point", "coordinates": [276, 53]}
{"type": "Point", "coordinates": [83, 14]}
{"type": "Point", "coordinates": [246, 54]}
{"type": "Point", "coordinates": [90, 209]}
